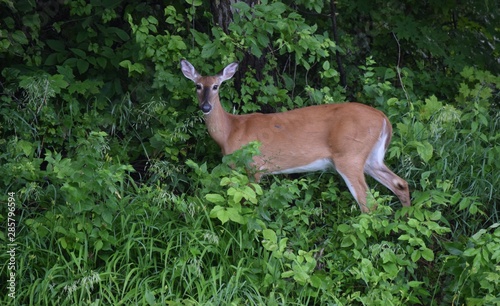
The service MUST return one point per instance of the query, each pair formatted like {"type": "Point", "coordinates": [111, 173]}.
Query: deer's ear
{"type": "Point", "coordinates": [189, 71]}
{"type": "Point", "coordinates": [228, 72]}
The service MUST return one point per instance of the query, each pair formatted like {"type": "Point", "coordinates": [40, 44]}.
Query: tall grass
{"type": "Point", "coordinates": [191, 234]}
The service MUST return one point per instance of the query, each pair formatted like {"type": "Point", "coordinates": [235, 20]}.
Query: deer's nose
{"type": "Point", "coordinates": [206, 108]}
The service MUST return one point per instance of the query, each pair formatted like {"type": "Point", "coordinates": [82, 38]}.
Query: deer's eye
{"type": "Point", "coordinates": [198, 86]}
{"type": "Point", "coordinates": [215, 87]}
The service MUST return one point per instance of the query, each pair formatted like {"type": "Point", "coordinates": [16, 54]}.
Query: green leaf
{"type": "Point", "coordinates": [107, 216]}
{"type": "Point", "coordinates": [56, 45]}
{"type": "Point", "coordinates": [262, 39]}
{"type": "Point", "coordinates": [389, 75]}
{"type": "Point", "coordinates": [255, 49]}
{"type": "Point", "coordinates": [226, 214]}
{"type": "Point", "coordinates": [300, 275]}
{"type": "Point", "coordinates": [270, 235]}
{"type": "Point", "coordinates": [57, 82]}
{"type": "Point", "coordinates": [26, 147]}
{"type": "Point", "coordinates": [344, 228]}
{"type": "Point", "coordinates": [200, 38]}
{"type": "Point", "coordinates": [270, 241]}
{"type": "Point", "coordinates": [282, 244]}
{"type": "Point", "coordinates": [435, 216]}
{"type": "Point", "coordinates": [208, 50]}
{"type": "Point", "coordinates": [150, 298]}
{"type": "Point", "coordinates": [98, 245]}
{"type": "Point", "coordinates": [478, 235]}
{"type": "Point", "coordinates": [348, 241]}
{"type": "Point", "coordinates": [316, 281]}
{"type": "Point", "coordinates": [176, 43]}
{"type": "Point", "coordinates": [101, 61]}
{"type": "Point", "coordinates": [425, 151]}
{"type": "Point", "coordinates": [427, 254]}
{"type": "Point", "coordinates": [20, 37]}
{"type": "Point", "coordinates": [464, 203]}
{"type": "Point", "coordinates": [250, 194]}
{"type": "Point", "coordinates": [287, 274]}
{"type": "Point", "coordinates": [220, 213]}
{"type": "Point", "coordinates": [257, 189]}
{"type": "Point", "coordinates": [120, 33]}
{"type": "Point", "coordinates": [415, 284]}
{"type": "Point", "coordinates": [79, 52]}
{"type": "Point", "coordinates": [391, 268]}
{"type": "Point", "coordinates": [135, 67]}
{"type": "Point", "coordinates": [234, 215]}
{"type": "Point", "coordinates": [82, 66]}
{"type": "Point", "coordinates": [215, 198]}
{"type": "Point", "coordinates": [63, 243]}
{"type": "Point", "coordinates": [194, 2]}
{"type": "Point", "coordinates": [236, 194]}
{"type": "Point", "coordinates": [415, 255]}
{"type": "Point", "coordinates": [419, 215]}
{"type": "Point", "coordinates": [240, 5]}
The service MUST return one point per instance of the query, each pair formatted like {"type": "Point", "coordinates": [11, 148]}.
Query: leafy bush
{"type": "Point", "coordinates": [121, 196]}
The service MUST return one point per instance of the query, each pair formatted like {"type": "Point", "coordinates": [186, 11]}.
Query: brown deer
{"type": "Point", "coordinates": [351, 137]}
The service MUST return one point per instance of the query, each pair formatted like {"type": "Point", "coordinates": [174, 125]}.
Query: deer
{"type": "Point", "coordinates": [350, 137]}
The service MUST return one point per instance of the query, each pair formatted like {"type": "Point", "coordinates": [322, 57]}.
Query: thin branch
{"type": "Point", "coordinates": [398, 67]}
{"type": "Point", "coordinates": [333, 16]}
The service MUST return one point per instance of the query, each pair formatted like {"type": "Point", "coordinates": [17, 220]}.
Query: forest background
{"type": "Point", "coordinates": [113, 192]}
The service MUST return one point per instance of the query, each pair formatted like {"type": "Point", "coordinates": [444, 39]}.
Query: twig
{"type": "Point", "coordinates": [398, 69]}
{"type": "Point", "coordinates": [333, 15]}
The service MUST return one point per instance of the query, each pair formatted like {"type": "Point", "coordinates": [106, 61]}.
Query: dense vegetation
{"type": "Point", "coordinates": [122, 198]}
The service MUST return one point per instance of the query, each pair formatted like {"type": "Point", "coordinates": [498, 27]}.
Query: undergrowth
{"type": "Point", "coordinates": [114, 194]}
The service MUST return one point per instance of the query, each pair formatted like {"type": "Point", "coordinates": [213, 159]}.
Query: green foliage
{"type": "Point", "coordinates": [122, 198]}
{"type": "Point", "coordinates": [445, 142]}
{"type": "Point", "coordinates": [436, 41]}
{"type": "Point", "coordinates": [476, 265]}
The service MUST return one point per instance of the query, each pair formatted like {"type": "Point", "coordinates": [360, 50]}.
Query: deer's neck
{"type": "Point", "coordinates": [219, 125]}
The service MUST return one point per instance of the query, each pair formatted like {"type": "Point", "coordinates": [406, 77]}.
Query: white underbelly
{"type": "Point", "coordinates": [317, 165]}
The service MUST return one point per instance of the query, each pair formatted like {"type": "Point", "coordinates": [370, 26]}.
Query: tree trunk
{"type": "Point", "coordinates": [333, 15]}
{"type": "Point", "coordinates": [223, 12]}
